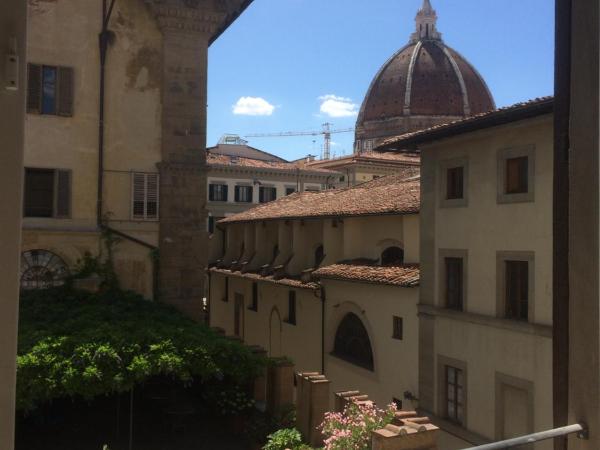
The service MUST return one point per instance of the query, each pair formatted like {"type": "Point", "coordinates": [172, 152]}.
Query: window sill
{"type": "Point", "coordinates": [525, 197]}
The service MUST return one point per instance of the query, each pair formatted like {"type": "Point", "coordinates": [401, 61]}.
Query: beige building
{"type": "Point", "coordinates": [330, 280]}
{"type": "Point", "coordinates": [115, 141]}
{"type": "Point", "coordinates": [485, 309]}
{"type": "Point", "coordinates": [366, 166]}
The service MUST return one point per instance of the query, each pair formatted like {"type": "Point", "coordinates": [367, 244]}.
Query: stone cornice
{"type": "Point", "coordinates": [188, 16]}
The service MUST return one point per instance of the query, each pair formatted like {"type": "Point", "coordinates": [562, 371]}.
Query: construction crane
{"type": "Point", "coordinates": [326, 132]}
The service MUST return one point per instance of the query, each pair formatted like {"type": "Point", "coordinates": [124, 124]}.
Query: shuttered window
{"type": "Point", "coordinates": [455, 183]}
{"type": "Point", "coordinates": [267, 194]}
{"type": "Point", "coordinates": [517, 175]}
{"type": "Point", "coordinates": [217, 192]}
{"type": "Point", "coordinates": [50, 90]}
{"type": "Point", "coordinates": [454, 283]}
{"type": "Point", "coordinates": [517, 290]}
{"type": "Point", "coordinates": [47, 193]}
{"type": "Point", "coordinates": [144, 196]}
{"type": "Point", "coordinates": [243, 194]}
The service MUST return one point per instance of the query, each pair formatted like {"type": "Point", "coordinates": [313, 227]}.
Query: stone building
{"type": "Point", "coordinates": [115, 140]}
{"type": "Point", "coordinates": [423, 84]}
{"type": "Point", "coordinates": [329, 279]}
{"type": "Point", "coordinates": [485, 307]}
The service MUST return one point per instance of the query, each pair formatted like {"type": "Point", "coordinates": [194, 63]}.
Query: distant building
{"type": "Point", "coordinates": [423, 84]}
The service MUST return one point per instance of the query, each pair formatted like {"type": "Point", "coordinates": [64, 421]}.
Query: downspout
{"type": "Point", "coordinates": [323, 300]}
{"type": "Point", "coordinates": [103, 43]}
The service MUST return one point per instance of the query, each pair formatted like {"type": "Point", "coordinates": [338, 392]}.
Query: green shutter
{"type": "Point", "coordinates": [64, 95]}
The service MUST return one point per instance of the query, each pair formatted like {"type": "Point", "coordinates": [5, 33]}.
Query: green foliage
{"type": "Point", "coordinates": [229, 400]}
{"type": "Point", "coordinates": [262, 424]}
{"type": "Point", "coordinates": [77, 344]}
{"type": "Point", "coordinates": [287, 438]}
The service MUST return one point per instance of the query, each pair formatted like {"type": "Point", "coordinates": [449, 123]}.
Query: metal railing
{"type": "Point", "coordinates": [580, 429]}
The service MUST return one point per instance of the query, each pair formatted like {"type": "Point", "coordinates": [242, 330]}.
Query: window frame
{"type": "Point", "coordinates": [292, 315]}
{"type": "Point", "coordinates": [444, 167]}
{"type": "Point", "coordinates": [340, 345]}
{"type": "Point", "coordinates": [145, 217]}
{"type": "Point", "coordinates": [56, 205]}
{"type": "Point", "coordinates": [238, 191]}
{"type": "Point", "coordinates": [503, 156]}
{"type": "Point", "coordinates": [212, 191]}
{"type": "Point", "coordinates": [442, 274]}
{"type": "Point", "coordinates": [262, 190]}
{"type": "Point", "coordinates": [398, 328]}
{"type": "Point", "coordinates": [502, 257]}
{"type": "Point", "coordinates": [64, 90]}
{"type": "Point", "coordinates": [442, 393]}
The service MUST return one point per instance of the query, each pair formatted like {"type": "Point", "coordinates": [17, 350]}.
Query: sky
{"type": "Point", "coordinates": [292, 65]}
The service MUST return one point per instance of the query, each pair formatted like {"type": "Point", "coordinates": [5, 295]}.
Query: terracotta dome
{"type": "Point", "coordinates": [425, 80]}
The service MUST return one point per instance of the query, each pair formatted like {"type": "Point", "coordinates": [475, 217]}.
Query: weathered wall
{"type": "Point", "coordinates": [13, 20]}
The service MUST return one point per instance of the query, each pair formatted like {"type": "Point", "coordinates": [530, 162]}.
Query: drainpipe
{"type": "Point", "coordinates": [323, 300]}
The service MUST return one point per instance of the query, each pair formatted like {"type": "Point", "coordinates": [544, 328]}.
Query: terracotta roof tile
{"type": "Point", "coordinates": [518, 111]}
{"type": "Point", "coordinates": [215, 159]}
{"type": "Point", "coordinates": [290, 282]}
{"type": "Point", "coordinates": [404, 276]}
{"type": "Point", "coordinates": [393, 194]}
{"type": "Point", "coordinates": [373, 157]}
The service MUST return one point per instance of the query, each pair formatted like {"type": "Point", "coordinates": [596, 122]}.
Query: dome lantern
{"type": "Point", "coordinates": [426, 22]}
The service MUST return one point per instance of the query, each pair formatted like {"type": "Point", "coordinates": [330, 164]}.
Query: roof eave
{"type": "Point", "coordinates": [229, 20]}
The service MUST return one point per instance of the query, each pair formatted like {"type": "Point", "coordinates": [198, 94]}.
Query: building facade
{"type": "Point", "coordinates": [424, 84]}
{"type": "Point", "coordinates": [329, 280]}
{"type": "Point", "coordinates": [115, 141]}
{"type": "Point", "coordinates": [485, 312]}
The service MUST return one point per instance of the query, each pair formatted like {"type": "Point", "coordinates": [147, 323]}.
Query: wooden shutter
{"type": "Point", "coordinates": [34, 88]}
{"type": "Point", "coordinates": [225, 192]}
{"type": "Point", "coordinates": [138, 195]}
{"type": "Point", "coordinates": [64, 95]}
{"type": "Point", "coordinates": [63, 194]}
{"type": "Point", "coordinates": [211, 192]}
{"type": "Point", "coordinates": [151, 196]}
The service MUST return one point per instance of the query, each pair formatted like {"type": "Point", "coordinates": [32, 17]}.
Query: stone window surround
{"type": "Point", "coordinates": [442, 362]}
{"type": "Point", "coordinates": [452, 253]}
{"type": "Point", "coordinates": [525, 385]}
{"type": "Point", "coordinates": [501, 258]}
{"type": "Point", "coordinates": [220, 183]}
{"type": "Point", "coordinates": [515, 152]}
{"type": "Point", "coordinates": [443, 172]}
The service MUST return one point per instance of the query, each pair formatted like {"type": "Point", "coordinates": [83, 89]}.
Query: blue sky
{"type": "Point", "coordinates": [295, 55]}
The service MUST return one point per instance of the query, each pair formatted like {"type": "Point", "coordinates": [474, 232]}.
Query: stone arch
{"type": "Point", "coordinates": [275, 328]}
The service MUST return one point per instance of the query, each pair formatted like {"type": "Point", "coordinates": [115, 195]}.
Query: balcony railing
{"type": "Point", "coordinates": [580, 429]}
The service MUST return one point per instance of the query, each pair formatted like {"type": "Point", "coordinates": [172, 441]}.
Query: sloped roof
{"type": "Point", "coordinates": [405, 276]}
{"type": "Point", "coordinates": [213, 159]}
{"type": "Point", "coordinates": [496, 117]}
{"type": "Point", "coordinates": [401, 159]}
{"type": "Point", "coordinates": [393, 194]}
{"type": "Point", "coordinates": [289, 282]}
{"type": "Point", "coordinates": [244, 151]}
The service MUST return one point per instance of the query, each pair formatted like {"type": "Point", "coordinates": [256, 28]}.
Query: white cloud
{"type": "Point", "coordinates": [335, 106]}
{"type": "Point", "coordinates": [253, 106]}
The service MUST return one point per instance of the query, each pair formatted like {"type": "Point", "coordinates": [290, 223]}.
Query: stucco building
{"type": "Point", "coordinates": [423, 84]}
{"type": "Point", "coordinates": [115, 141]}
{"type": "Point", "coordinates": [485, 308]}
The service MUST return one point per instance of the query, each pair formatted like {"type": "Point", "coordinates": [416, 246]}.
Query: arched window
{"type": "Point", "coordinates": [319, 255]}
{"type": "Point", "coordinates": [41, 269]}
{"type": "Point", "coordinates": [392, 256]}
{"type": "Point", "coordinates": [352, 342]}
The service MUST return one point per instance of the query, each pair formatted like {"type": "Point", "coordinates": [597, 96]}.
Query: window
{"type": "Point", "coordinates": [47, 193]}
{"type": "Point", "coordinates": [267, 194]}
{"type": "Point", "coordinates": [398, 328]}
{"type": "Point", "coordinates": [352, 343]}
{"type": "Point", "coordinates": [41, 269]}
{"type": "Point", "coordinates": [291, 318]}
{"type": "Point", "coordinates": [319, 255]}
{"type": "Point", "coordinates": [455, 183]}
{"type": "Point", "coordinates": [243, 194]}
{"type": "Point", "coordinates": [517, 290]}
{"type": "Point", "coordinates": [454, 394]}
{"type": "Point", "coordinates": [49, 90]}
{"type": "Point", "coordinates": [392, 256]}
{"type": "Point", "coordinates": [254, 304]}
{"type": "Point", "coordinates": [144, 196]}
{"type": "Point", "coordinates": [211, 224]}
{"type": "Point", "coordinates": [217, 192]}
{"type": "Point", "coordinates": [289, 190]}
{"type": "Point", "coordinates": [454, 283]}
{"type": "Point", "coordinates": [516, 181]}
{"type": "Point", "coordinates": [226, 294]}
{"type": "Point", "coordinates": [342, 179]}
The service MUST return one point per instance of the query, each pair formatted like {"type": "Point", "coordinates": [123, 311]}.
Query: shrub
{"type": "Point", "coordinates": [77, 344]}
{"type": "Point", "coordinates": [351, 430]}
{"type": "Point", "coordinates": [287, 438]}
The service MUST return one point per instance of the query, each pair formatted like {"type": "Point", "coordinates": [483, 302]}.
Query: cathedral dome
{"type": "Point", "coordinates": [427, 81]}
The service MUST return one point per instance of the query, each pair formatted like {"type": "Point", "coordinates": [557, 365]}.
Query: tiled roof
{"type": "Point", "coordinates": [214, 159]}
{"type": "Point", "coordinates": [393, 194]}
{"type": "Point", "coordinates": [405, 276]}
{"type": "Point", "coordinates": [290, 282]}
{"type": "Point", "coordinates": [518, 111]}
{"type": "Point", "coordinates": [370, 157]}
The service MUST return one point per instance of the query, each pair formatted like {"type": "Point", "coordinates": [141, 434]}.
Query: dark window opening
{"type": "Point", "coordinates": [289, 191]}
{"type": "Point", "coordinates": [226, 294]}
{"type": "Point", "coordinates": [49, 90]}
{"type": "Point", "coordinates": [455, 183]}
{"type": "Point", "coordinates": [243, 194]}
{"type": "Point", "coordinates": [517, 174]}
{"type": "Point", "coordinates": [211, 224]}
{"type": "Point", "coordinates": [267, 194]}
{"type": "Point", "coordinates": [352, 343]}
{"type": "Point", "coordinates": [517, 290]}
{"type": "Point", "coordinates": [454, 394]}
{"type": "Point", "coordinates": [319, 256]}
{"type": "Point", "coordinates": [392, 256]}
{"type": "Point", "coordinates": [291, 318]}
{"type": "Point", "coordinates": [47, 193]}
{"type": "Point", "coordinates": [398, 328]}
{"type": "Point", "coordinates": [254, 304]}
{"type": "Point", "coordinates": [217, 192]}
{"type": "Point", "coordinates": [454, 283]}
